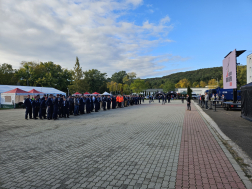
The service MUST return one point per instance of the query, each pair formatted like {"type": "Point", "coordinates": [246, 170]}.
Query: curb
{"type": "Point", "coordinates": [214, 128]}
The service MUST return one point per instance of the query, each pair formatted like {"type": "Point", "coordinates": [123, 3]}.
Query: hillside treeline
{"type": "Point", "coordinates": [48, 74]}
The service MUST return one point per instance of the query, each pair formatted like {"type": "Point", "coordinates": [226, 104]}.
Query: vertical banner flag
{"type": "Point", "coordinates": [229, 71]}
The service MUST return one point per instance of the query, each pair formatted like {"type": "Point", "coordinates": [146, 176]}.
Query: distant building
{"type": "Point", "coordinates": [150, 91]}
{"type": "Point", "coordinates": [195, 90]}
{"type": "Point", "coordinates": [249, 68]}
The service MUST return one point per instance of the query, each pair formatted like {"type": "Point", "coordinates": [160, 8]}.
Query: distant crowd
{"type": "Point", "coordinates": [59, 106]}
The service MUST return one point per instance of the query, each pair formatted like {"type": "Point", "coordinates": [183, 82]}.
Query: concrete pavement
{"type": "Point", "coordinates": [143, 146]}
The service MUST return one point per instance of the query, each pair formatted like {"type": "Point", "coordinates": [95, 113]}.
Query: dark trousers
{"type": "Point", "coordinates": [42, 113]}
{"type": "Point", "coordinates": [35, 112]}
{"type": "Point", "coordinates": [65, 112]}
{"type": "Point", "coordinates": [49, 113]}
{"type": "Point", "coordinates": [28, 111]}
{"type": "Point", "coordinates": [188, 106]}
{"type": "Point", "coordinates": [76, 109]}
{"type": "Point", "coordinates": [55, 112]}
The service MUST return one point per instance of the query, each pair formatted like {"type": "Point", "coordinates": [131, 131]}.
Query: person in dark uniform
{"type": "Point", "coordinates": [71, 105]}
{"type": "Point", "coordinates": [28, 108]}
{"type": "Point", "coordinates": [169, 98]}
{"type": "Point", "coordinates": [182, 98]}
{"type": "Point", "coordinates": [188, 99]}
{"type": "Point", "coordinates": [104, 100]}
{"type": "Point", "coordinates": [88, 105]}
{"type": "Point", "coordinates": [81, 106]}
{"type": "Point", "coordinates": [34, 108]}
{"type": "Point", "coordinates": [65, 108]}
{"type": "Point", "coordinates": [76, 105]}
{"type": "Point", "coordinates": [84, 104]}
{"type": "Point", "coordinates": [55, 107]}
{"type": "Point", "coordinates": [91, 104]}
{"type": "Point", "coordinates": [108, 102]}
{"type": "Point", "coordinates": [143, 98]}
{"type": "Point", "coordinates": [60, 100]}
{"type": "Point", "coordinates": [49, 104]}
{"type": "Point", "coordinates": [42, 109]}
{"type": "Point", "coordinates": [96, 102]}
{"type": "Point", "coordinates": [163, 101]}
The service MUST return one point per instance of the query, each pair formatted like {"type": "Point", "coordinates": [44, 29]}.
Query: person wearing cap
{"type": "Point", "coordinates": [28, 106]}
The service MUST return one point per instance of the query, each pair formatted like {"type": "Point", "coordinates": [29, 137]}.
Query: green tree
{"type": "Point", "coordinates": [78, 83]}
{"type": "Point", "coordinates": [118, 76]}
{"type": "Point", "coordinates": [189, 91]}
{"type": "Point", "coordinates": [96, 80]}
{"type": "Point", "coordinates": [241, 76]}
{"type": "Point", "coordinates": [168, 86]}
{"type": "Point", "coordinates": [7, 75]}
{"type": "Point", "coordinates": [138, 85]}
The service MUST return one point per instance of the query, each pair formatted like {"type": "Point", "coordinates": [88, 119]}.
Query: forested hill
{"type": "Point", "coordinates": [205, 75]}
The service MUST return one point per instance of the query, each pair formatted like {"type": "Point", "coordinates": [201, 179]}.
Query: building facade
{"type": "Point", "coordinates": [249, 68]}
{"type": "Point", "coordinates": [195, 90]}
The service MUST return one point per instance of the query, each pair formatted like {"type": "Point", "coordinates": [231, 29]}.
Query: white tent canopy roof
{"type": "Point", "coordinates": [44, 90]}
{"type": "Point", "coordinates": [106, 93]}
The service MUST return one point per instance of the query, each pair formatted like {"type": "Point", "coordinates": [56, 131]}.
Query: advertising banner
{"type": "Point", "coordinates": [229, 71]}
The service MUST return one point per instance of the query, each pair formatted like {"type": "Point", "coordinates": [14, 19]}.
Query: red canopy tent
{"type": "Point", "coordinates": [86, 93]}
{"type": "Point", "coordinates": [95, 93]}
{"type": "Point", "coordinates": [35, 92]}
{"type": "Point", "coordinates": [77, 94]}
{"type": "Point", "coordinates": [18, 91]}
{"type": "Point", "coordinates": [13, 96]}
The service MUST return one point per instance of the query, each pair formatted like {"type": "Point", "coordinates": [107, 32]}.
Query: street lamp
{"type": "Point", "coordinates": [67, 92]}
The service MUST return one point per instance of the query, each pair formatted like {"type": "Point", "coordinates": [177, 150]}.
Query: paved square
{"type": "Point", "coordinates": [133, 147]}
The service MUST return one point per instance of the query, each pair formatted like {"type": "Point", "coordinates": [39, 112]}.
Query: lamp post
{"type": "Point", "coordinates": [67, 92]}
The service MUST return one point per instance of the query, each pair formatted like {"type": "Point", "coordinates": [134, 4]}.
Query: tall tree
{"type": "Point", "coordinates": [168, 86]}
{"type": "Point", "coordinates": [7, 75]}
{"type": "Point", "coordinates": [118, 76]}
{"type": "Point", "coordinates": [96, 80]}
{"type": "Point", "coordinates": [138, 85]}
{"type": "Point", "coordinates": [78, 83]}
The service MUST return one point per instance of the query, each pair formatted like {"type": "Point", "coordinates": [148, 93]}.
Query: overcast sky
{"type": "Point", "coordinates": [151, 38]}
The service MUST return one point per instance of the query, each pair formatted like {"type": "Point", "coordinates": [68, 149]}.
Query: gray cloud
{"type": "Point", "coordinates": [58, 31]}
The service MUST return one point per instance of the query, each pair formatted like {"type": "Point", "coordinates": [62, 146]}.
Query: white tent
{"type": "Point", "coordinates": [10, 98]}
{"type": "Point", "coordinates": [106, 94]}
{"type": "Point", "coordinates": [44, 90]}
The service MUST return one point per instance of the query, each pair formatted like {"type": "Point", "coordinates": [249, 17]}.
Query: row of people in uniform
{"type": "Point", "coordinates": [59, 106]}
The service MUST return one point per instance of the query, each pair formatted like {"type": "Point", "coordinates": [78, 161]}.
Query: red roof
{"type": "Point", "coordinates": [34, 91]}
{"type": "Point", "coordinates": [77, 93]}
{"type": "Point", "coordinates": [16, 90]}
{"type": "Point", "coordinates": [96, 93]}
{"type": "Point", "coordinates": [86, 93]}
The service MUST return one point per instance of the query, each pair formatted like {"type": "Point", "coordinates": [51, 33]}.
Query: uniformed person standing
{"type": "Point", "coordinates": [28, 107]}
{"type": "Point", "coordinates": [49, 104]}
{"type": "Point", "coordinates": [42, 109]}
{"type": "Point", "coordinates": [65, 108]}
{"type": "Point", "coordinates": [108, 102]}
{"type": "Point", "coordinates": [55, 108]}
{"type": "Point", "coordinates": [104, 100]}
{"type": "Point", "coordinates": [34, 108]}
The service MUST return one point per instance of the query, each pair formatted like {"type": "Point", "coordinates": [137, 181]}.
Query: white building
{"type": "Point", "coordinates": [249, 68]}
{"type": "Point", "coordinates": [196, 91]}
